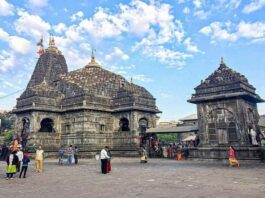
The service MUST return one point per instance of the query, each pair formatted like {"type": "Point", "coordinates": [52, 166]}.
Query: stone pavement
{"type": "Point", "coordinates": [130, 179]}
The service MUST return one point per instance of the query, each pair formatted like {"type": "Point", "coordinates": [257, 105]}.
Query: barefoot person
{"type": "Point", "coordinates": [232, 157]}
{"type": "Point", "coordinates": [39, 159]}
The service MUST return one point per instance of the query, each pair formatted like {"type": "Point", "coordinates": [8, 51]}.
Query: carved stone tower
{"type": "Point", "coordinates": [226, 107]}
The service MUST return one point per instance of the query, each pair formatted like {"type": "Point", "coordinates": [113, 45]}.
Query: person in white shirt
{"type": "Point", "coordinates": [20, 158]}
{"type": "Point", "coordinates": [104, 157]}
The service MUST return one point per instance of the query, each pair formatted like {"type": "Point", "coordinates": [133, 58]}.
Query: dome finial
{"type": "Point", "coordinates": [51, 42]}
{"type": "Point", "coordinates": [222, 60]}
{"type": "Point", "coordinates": [93, 57]}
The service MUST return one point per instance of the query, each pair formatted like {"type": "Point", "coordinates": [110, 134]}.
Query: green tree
{"type": "Point", "coordinates": [167, 137]}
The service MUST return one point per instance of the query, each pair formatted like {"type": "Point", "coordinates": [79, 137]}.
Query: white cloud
{"type": "Point", "coordinates": [101, 25]}
{"type": "Point", "coordinates": [3, 35]}
{"type": "Point", "coordinates": [190, 46]}
{"type": "Point", "coordinates": [253, 6]}
{"type": "Point", "coordinates": [7, 60]}
{"type": "Point", "coordinates": [32, 25]}
{"type": "Point", "coordinates": [186, 10]}
{"type": "Point", "coordinates": [231, 32]}
{"type": "Point", "coordinates": [2, 94]}
{"type": "Point", "coordinates": [166, 56]}
{"type": "Point", "coordinates": [197, 3]}
{"type": "Point", "coordinates": [60, 28]}
{"type": "Point", "coordinates": [217, 31]}
{"type": "Point", "coordinates": [117, 52]}
{"type": "Point", "coordinates": [38, 3]}
{"type": "Point", "coordinates": [251, 30]}
{"type": "Point", "coordinates": [6, 8]}
{"type": "Point", "coordinates": [19, 44]}
{"type": "Point", "coordinates": [201, 14]}
{"type": "Point", "coordinates": [142, 78]}
{"type": "Point", "coordinates": [77, 16]}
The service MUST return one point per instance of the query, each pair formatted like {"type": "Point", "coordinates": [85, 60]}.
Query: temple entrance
{"type": "Point", "coordinates": [47, 125]}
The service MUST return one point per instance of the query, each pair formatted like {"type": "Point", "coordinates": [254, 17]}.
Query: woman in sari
{"type": "Point", "coordinates": [143, 158]}
{"type": "Point", "coordinates": [232, 157]}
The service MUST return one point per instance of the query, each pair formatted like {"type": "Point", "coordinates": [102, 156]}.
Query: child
{"type": "Point", "coordinates": [25, 164]}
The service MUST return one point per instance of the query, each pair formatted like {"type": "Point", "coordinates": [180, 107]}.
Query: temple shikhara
{"type": "Point", "coordinates": [90, 107]}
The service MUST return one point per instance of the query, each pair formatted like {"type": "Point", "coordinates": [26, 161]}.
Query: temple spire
{"type": "Point", "coordinates": [93, 57]}
{"type": "Point", "coordinates": [51, 41]}
{"type": "Point", "coordinates": [222, 61]}
{"type": "Point", "coordinates": [93, 62]}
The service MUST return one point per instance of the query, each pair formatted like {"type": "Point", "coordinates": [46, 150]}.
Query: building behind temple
{"type": "Point", "coordinates": [90, 107]}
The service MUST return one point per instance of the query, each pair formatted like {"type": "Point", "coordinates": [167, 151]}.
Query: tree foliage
{"type": "Point", "coordinates": [167, 137]}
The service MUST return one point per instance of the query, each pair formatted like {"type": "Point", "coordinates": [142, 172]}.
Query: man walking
{"type": "Point", "coordinates": [76, 152]}
{"type": "Point", "coordinates": [104, 157]}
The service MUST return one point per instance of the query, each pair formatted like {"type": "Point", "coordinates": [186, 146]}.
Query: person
{"type": "Point", "coordinates": [61, 155]}
{"type": "Point", "coordinates": [143, 153]}
{"type": "Point", "coordinates": [104, 157]}
{"type": "Point", "coordinates": [76, 153]}
{"type": "Point", "coordinates": [20, 157]}
{"type": "Point", "coordinates": [232, 157]}
{"type": "Point", "coordinates": [253, 135]}
{"type": "Point", "coordinates": [12, 161]}
{"type": "Point", "coordinates": [186, 152]}
{"type": "Point", "coordinates": [25, 163]}
{"type": "Point", "coordinates": [70, 155]}
{"type": "Point", "coordinates": [108, 161]}
{"type": "Point", "coordinates": [39, 159]}
{"type": "Point", "coordinates": [197, 140]}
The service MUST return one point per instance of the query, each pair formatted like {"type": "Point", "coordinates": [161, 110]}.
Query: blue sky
{"type": "Point", "coordinates": [167, 46]}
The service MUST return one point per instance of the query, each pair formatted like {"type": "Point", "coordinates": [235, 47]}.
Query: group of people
{"type": "Point", "coordinates": [72, 153]}
{"type": "Point", "coordinates": [17, 162]}
{"type": "Point", "coordinates": [105, 157]}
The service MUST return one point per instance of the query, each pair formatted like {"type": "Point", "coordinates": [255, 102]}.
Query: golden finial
{"type": "Point", "coordinates": [51, 42]}
{"type": "Point", "coordinates": [93, 62]}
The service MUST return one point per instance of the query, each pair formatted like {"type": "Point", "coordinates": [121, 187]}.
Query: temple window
{"type": "Point", "coordinates": [124, 124]}
{"type": "Point", "coordinates": [47, 125]}
{"type": "Point", "coordinates": [102, 128]}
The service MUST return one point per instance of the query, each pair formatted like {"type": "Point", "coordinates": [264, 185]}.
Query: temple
{"type": "Point", "coordinates": [227, 109]}
{"type": "Point", "coordinates": [90, 107]}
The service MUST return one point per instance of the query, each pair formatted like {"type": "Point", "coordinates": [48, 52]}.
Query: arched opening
{"type": "Point", "coordinates": [47, 125]}
{"type": "Point", "coordinates": [221, 126]}
{"type": "Point", "coordinates": [143, 124]}
{"type": "Point", "coordinates": [124, 124]}
{"type": "Point", "coordinates": [25, 126]}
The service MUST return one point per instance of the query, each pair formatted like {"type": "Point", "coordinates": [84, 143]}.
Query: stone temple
{"type": "Point", "coordinates": [226, 108]}
{"type": "Point", "coordinates": [90, 107]}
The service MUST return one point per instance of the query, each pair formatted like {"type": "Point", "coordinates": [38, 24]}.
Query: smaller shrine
{"type": "Point", "coordinates": [227, 109]}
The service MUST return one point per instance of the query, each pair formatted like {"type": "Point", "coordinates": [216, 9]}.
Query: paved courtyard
{"type": "Point", "coordinates": [129, 178]}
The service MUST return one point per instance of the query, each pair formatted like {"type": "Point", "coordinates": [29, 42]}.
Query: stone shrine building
{"type": "Point", "coordinates": [226, 108]}
{"type": "Point", "coordinates": [90, 107]}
